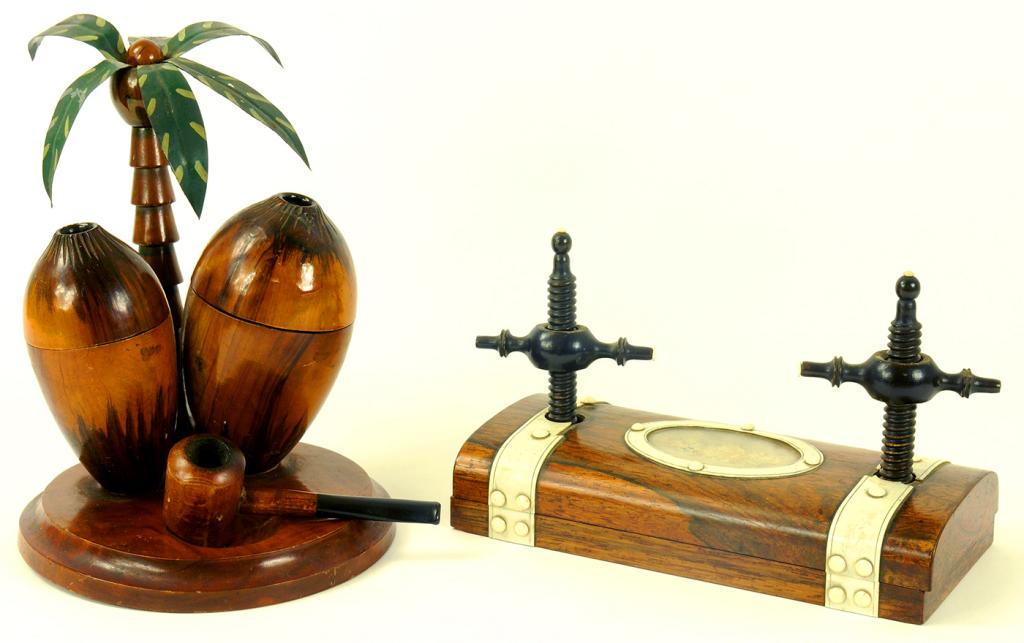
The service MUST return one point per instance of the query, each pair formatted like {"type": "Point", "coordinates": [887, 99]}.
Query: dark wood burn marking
{"type": "Point", "coordinates": [260, 387]}
{"type": "Point", "coordinates": [271, 247]}
{"type": "Point", "coordinates": [101, 341]}
{"type": "Point", "coordinates": [267, 323]}
{"type": "Point", "coordinates": [88, 288]}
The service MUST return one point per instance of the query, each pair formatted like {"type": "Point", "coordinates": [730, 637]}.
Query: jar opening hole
{"type": "Point", "coordinates": [77, 228]}
{"type": "Point", "coordinates": [297, 199]}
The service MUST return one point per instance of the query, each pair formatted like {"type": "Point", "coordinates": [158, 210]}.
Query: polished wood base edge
{"type": "Point", "coordinates": [117, 550]}
{"type": "Point", "coordinates": [168, 601]}
{"type": "Point", "coordinates": [968, 534]}
{"type": "Point", "coordinates": [705, 564]}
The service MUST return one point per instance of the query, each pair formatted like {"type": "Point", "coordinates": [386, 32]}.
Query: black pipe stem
{"type": "Point", "coordinates": [379, 509]}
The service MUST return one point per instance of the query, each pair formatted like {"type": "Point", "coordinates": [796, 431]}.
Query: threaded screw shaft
{"type": "Point", "coordinates": [905, 340]}
{"type": "Point", "coordinates": [562, 397]}
{"type": "Point", "coordinates": [899, 422]}
{"type": "Point", "coordinates": [561, 286]}
{"type": "Point", "coordinates": [898, 430]}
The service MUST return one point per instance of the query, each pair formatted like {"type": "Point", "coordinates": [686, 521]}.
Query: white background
{"type": "Point", "coordinates": [744, 183]}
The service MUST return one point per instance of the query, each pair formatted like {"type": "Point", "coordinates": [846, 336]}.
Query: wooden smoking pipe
{"type": "Point", "coordinates": [205, 488]}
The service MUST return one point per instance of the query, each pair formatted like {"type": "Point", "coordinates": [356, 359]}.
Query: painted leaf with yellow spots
{"type": "Point", "coordinates": [247, 99]}
{"type": "Point", "coordinates": [92, 30]}
{"type": "Point", "coordinates": [174, 114]}
{"type": "Point", "coordinates": [199, 32]}
{"type": "Point", "coordinates": [64, 115]}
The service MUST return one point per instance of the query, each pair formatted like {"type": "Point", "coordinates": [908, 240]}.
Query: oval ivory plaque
{"type": "Point", "coordinates": [713, 449]}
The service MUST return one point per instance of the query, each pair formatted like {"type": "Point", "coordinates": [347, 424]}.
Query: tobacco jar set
{"type": "Point", "coordinates": [194, 490]}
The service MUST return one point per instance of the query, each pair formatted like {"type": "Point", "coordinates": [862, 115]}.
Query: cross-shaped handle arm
{"type": "Point", "coordinates": [902, 377]}
{"type": "Point", "coordinates": [561, 346]}
{"type": "Point", "coordinates": [563, 351]}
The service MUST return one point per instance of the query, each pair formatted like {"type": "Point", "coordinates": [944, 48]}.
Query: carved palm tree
{"type": "Point", "coordinates": [168, 135]}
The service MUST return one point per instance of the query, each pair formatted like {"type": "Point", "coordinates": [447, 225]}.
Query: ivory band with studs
{"type": "Point", "coordinates": [512, 489]}
{"type": "Point", "coordinates": [853, 555]}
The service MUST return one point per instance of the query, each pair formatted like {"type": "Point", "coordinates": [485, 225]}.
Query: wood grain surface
{"type": "Point", "coordinates": [82, 270]}
{"type": "Point", "coordinates": [203, 489]}
{"type": "Point", "coordinates": [116, 549]}
{"type": "Point", "coordinates": [259, 387]}
{"type": "Point", "coordinates": [152, 194]}
{"type": "Point", "coordinates": [268, 318]}
{"type": "Point", "coordinates": [281, 263]}
{"type": "Point", "coordinates": [593, 484]}
{"type": "Point", "coordinates": [102, 346]}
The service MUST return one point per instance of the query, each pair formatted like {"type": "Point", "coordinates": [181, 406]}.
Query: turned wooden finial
{"type": "Point", "coordinates": [144, 52]}
{"type": "Point", "coordinates": [125, 91]}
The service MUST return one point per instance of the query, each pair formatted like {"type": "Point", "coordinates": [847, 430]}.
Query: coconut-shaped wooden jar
{"type": "Point", "coordinates": [268, 319]}
{"type": "Point", "coordinates": [101, 339]}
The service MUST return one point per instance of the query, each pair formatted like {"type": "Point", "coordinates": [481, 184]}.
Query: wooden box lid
{"type": "Point", "coordinates": [594, 479]}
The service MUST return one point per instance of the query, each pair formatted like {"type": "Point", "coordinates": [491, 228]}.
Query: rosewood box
{"type": "Point", "coordinates": [731, 505]}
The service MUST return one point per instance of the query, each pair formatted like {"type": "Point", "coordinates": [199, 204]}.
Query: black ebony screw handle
{"type": "Point", "coordinates": [902, 377]}
{"type": "Point", "coordinates": [561, 346]}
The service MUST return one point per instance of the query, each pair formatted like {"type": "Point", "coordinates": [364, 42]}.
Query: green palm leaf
{"type": "Point", "coordinates": [246, 99]}
{"type": "Point", "coordinates": [65, 113]}
{"type": "Point", "coordinates": [174, 114]}
{"type": "Point", "coordinates": [92, 30]}
{"type": "Point", "coordinates": [199, 32]}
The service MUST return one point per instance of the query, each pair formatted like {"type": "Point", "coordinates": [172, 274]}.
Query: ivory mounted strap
{"type": "Point", "coordinates": [512, 488]}
{"type": "Point", "coordinates": [853, 556]}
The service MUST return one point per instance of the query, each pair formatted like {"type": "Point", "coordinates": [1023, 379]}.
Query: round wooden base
{"type": "Point", "coordinates": [115, 549]}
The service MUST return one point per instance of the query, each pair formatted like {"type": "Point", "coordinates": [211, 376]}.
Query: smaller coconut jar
{"type": "Point", "coordinates": [101, 339]}
{"type": "Point", "coordinates": [267, 323]}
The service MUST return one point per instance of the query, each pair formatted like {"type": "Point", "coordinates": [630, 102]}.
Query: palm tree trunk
{"type": "Point", "coordinates": [155, 233]}
{"type": "Point", "coordinates": [155, 230]}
